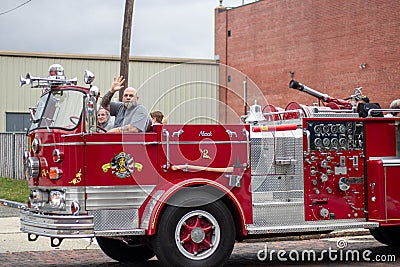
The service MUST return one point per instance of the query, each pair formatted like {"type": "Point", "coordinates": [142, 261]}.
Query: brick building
{"type": "Point", "coordinates": [332, 46]}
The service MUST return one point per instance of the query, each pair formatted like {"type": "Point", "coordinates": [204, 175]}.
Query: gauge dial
{"type": "Point", "coordinates": [334, 142]}
{"type": "Point", "coordinates": [317, 129]}
{"type": "Point", "coordinates": [326, 142]}
{"type": "Point", "coordinates": [318, 142]}
{"type": "Point", "coordinates": [342, 128]}
{"type": "Point", "coordinates": [334, 128]}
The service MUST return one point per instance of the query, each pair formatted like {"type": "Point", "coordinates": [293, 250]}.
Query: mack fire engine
{"type": "Point", "coordinates": [186, 193]}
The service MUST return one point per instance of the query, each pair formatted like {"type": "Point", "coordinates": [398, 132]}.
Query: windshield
{"type": "Point", "coordinates": [58, 109]}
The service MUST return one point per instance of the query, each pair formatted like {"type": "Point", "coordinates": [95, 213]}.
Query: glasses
{"type": "Point", "coordinates": [101, 115]}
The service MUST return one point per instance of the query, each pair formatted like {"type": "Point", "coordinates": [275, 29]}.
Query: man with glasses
{"type": "Point", "coordinates": [130, 116]}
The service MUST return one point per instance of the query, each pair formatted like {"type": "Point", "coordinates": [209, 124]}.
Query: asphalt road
{"type": "Point", "coordinates": [351, 250]}
{"type": "Point", "coordinates": [8, 212]}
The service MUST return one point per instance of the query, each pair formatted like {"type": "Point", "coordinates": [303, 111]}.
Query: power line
{"type": "Point", "coordinates": [12, 9]}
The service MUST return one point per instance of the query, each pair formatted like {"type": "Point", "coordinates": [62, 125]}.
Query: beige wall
{"type": "Point", "coordinates": [184, 90]}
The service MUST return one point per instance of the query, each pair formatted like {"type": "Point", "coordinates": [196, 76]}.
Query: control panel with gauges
{"type": "Point", "coordinates": [335, 135]}
{"type": "Point", "coordinates": [333, 169]}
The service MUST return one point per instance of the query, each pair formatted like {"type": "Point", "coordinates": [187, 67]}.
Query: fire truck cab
{"type": "Point", "coordinates": [185, 193]}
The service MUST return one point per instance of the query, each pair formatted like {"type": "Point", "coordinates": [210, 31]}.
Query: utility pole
{"type": "Point", "coordinates": [126, 44]}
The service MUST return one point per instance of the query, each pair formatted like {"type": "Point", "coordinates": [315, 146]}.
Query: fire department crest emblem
{"type": "Point", "coordinates": [122, 165]}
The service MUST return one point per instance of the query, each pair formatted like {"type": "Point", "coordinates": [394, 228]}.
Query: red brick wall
{"type": "Point", "coordinates": [323, 42]}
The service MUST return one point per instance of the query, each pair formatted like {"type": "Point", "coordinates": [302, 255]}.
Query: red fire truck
{"type": "Point", "coordinates": [186, 193]}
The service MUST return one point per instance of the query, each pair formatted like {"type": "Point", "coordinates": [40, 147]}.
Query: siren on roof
{"type": "Point", "coordinates": [56, 72]}
{"type": "Point", "coordinates": [56, 78]}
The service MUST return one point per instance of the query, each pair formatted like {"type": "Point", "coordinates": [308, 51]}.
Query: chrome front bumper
{"type": "Point", "coordinates": [57, 226]}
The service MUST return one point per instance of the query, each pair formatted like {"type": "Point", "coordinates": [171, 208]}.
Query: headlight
{"type": "Point", "coordinates": [35, 145]}
{"type": "Point", "coordinates": [38, 196]}
{"type": "Point", "coordinates": [57, 199]}
{"type": "Point", "coordinates": [32, 167]}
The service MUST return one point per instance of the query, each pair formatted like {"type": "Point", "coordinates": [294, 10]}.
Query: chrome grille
{"type": "Point", "coordinates": [115, 219]}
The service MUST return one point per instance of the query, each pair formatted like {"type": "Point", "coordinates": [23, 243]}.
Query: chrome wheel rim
{"type": "Point", "coordinates": [197, 235]}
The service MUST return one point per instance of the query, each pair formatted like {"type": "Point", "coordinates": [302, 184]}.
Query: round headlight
{"type": "Point", "coordinates": [38, 196]}
{"type": "Point", "coordinates": [32, 167]}
{"type": "Point", "coordinates": [34, 195]}
{"type": "Point", "coordinates": [56, 199]}
{"type": "Point", "coordinates": [35, 145]}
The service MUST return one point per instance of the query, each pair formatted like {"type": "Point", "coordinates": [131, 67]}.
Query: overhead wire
{"type": "Point", "coordinates": [12, 9]}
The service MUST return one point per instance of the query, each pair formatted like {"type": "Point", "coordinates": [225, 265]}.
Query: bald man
{"type": "Point", "coordinates": [130, 116]}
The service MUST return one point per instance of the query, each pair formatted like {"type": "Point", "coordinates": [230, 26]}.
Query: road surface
{"type": "Point", "coordinates": [348, 250]}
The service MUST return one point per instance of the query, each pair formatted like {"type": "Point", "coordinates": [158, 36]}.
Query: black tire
{"type": "Point", "coordinates": [376, 233]}
{"type": "Point", "coordinates": [122, 251]}
{"type": "Point", "coordinates": [389, 235]}
{"type": "Point", "coordinates": [181, 232]}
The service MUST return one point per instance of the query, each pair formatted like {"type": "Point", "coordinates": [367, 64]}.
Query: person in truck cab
{"type": "Point", "coordinates": [395, 105]}
{"type": "Point", "coordinates": [130, 116]}
{"type": "Point", "coordinates": [104, 119]}
{"type": "Point", "coordinates": [157, 117]}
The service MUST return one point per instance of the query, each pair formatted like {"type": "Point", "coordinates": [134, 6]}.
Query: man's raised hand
{"type": "Point", "coordinates": [117, 84]}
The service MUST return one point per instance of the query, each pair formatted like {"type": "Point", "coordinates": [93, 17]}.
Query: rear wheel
{"type": "Point", "coordinates": [195, 236]}
{"type": "Point", "coordinates": [124, 250]}
{"type": "Point", "coordinates": [389, 235]}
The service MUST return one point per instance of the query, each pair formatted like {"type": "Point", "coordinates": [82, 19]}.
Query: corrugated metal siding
{"type": "Point", "coordinates": [186, 93]}
{"type": "Point", "coordinates": [12, 147]}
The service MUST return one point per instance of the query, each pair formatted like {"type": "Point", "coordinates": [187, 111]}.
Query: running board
{"type": "Point", "coordinates": [315, 227]}
{"type": "Point", "coordinates": [120, 232]}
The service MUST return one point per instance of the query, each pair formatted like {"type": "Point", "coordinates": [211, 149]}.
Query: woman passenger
{"type": "Point", "coordinates": [103, 118]}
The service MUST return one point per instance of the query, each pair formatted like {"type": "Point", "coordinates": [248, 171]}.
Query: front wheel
{"type": "Point", "coordinates": [124, 250]}
{"type": "Point", "coordinates": [198, 236]}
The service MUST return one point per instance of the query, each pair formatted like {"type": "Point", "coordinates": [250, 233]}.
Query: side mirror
{"type": "Point", "coordinates": [88, 77]}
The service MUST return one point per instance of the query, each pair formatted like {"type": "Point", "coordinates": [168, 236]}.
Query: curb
{"type": "Point", "coordinates": [12, 204]}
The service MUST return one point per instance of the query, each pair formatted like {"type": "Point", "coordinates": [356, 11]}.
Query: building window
{"type": "Point", "coordinates": [229, 33]}
{"type": "Point", "coordinates": [17, 122]}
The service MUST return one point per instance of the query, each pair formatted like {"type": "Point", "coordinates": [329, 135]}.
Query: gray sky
{"type": "Point", "coordinates": [164, 28]}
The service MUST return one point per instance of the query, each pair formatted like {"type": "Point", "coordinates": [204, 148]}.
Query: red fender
{"type": "Point", "coordinates": [174, 189]}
